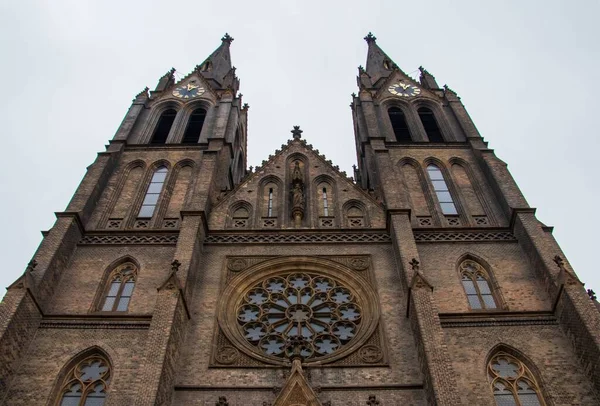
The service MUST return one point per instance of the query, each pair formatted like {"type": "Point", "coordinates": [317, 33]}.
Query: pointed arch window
{"type": "Point", "coordinates": [270, 203]}
{"type": "Point", "coordinates": [441, 190]}
{"type": "Point", "coordinates": [512, 382]}
{"type": "Point", "coordinates": [325, 203]}
{"type": "Point", "coordinates": [120, 288]}
{"type": "Point", "coordinates": [430, 124]}
{"type": "Point", "coordinates": [194, 127]}
{"type": "Point", "coordinates": [153, 193]}
{"type": "Point", "coordinates": [165, 122]}
{"type": "Point", "coordinates": [86, 384]}
{"type": "Point", "coordinates": [399, 124]}
{"type": "Point", "coordinates": [476, 283]}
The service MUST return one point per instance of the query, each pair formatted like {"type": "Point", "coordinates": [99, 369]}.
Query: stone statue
{"type": "Point", "coordinates": [297, 197]}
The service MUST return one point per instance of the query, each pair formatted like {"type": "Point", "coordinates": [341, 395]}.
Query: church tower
{"type": "Point", "coordinates": [176, 276]}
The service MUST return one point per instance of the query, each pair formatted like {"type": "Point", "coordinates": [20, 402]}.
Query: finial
{"type": "Point", "coordinates": [370, 38]}
{"type": "Point", "coordinates": [353, 95]}
{"type": "Point", "coordinates": [246, 106]}
{"type": "Point", "coordinates": [297, 132]}
{"type": "Point", "coordinates": [171, 72]}
{"type": "Point", "coordinates": [361, 69]}
{"type": "Point", "coordinates": [227, 38]}
{"type": "Point", "coordinates": [414, 264]}
{"type": "Point", "coordinates": [175, 265]}
{"type": "Point", "coordinates": [591, 294]}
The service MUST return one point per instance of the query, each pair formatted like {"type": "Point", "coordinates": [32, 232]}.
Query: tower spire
{"type": "Point", "coordinates": [218, 64]}
{"type": "Point", "coordinates": [378, 63]}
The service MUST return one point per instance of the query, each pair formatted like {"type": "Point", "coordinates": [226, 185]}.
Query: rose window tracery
{"type": "Point", "coordinates": [318, 308]}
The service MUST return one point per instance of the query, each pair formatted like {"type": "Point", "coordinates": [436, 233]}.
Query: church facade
{"type": "Point", "coordinates": [177, 276]}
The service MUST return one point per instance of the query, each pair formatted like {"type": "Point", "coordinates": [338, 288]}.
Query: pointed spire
{"type": "Point", "coordinates": [218, 64]}
{"type": "Point", "coordinates": [378, 63]}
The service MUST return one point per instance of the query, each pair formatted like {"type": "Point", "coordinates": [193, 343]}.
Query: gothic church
{"type": "Point", "coordinates": [177, 276]}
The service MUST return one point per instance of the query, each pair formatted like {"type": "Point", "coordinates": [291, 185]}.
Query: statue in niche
{"type": "Point", "coordinates": [297, 173]}
{"type": "Point", "coordinates": [297, 193]}
{"type": "Point", "coordinates": [297, 197]}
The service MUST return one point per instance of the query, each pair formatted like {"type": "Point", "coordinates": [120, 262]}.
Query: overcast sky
{"type": "Point", "coordinates": [525, 70]}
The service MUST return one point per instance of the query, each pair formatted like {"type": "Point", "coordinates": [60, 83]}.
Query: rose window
{"type": "Point", "coordinates": [321, 310]}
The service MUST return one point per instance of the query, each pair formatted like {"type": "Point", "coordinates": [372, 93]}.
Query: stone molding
{"type": "Point", "coordinates": [463, 236]}
{"type": "Point", "coordinates": [297, 238]}
{"type": "Point", "coordinates": [126, 239]}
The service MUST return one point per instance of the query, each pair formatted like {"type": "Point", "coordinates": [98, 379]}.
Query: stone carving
{"type": "Point", "coordinates": [372, 401]}
{"type": "Point", "coordinates": [358, 264]}
{"type": "Point", "coordinates": [237, 264]}
{"type": "Point", "coordinates": [464, 236]}
{"type": "Point", "coordinates": [227, 355]}
{"type": "Point", "coordinates": [222, 401]}
{"type": "Point", "coordinates": [266, 238]}
{"type": "Point", "coordinates": [370, 354]}
{"type": "Point", "coordinates": [169, 239]}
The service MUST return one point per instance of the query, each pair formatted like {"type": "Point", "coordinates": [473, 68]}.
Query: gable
{"type": "Point", "coordinates": [297, 188]}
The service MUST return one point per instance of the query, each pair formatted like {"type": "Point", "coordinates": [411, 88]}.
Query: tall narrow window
{"type": "Point", "coordinates": [194, 127]}
{"type": "Point", "coordinates": [325, 203]}
{"type": "Point", "coordinates": [399, 125]}
{"type": "Point", "coordinates": [86, 383]}
{"type": "Point", "coordinates": [476, 283]}
{"type": "Point", "coordinates": [441, 190]}
{"type": "Point", "coordinates": [153, 192]}
{"type": "Point", "coordinates": [165, 122]}
{"type": "Point", "coordinates": [431, 128]}
{"type": "Point", "coordinates": [512, 382]}
{"type": "Point", "coordinates": [270, 204]}
{"type": "Point", "coordinates": [120, 289]}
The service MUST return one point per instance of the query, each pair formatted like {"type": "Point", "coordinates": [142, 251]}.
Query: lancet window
{"type": "Point", "coordinates": [152, 194]}
{"type": "Point", "coordinates": [430, 125]}
{"type": "Point", "coordinates": [399, 124]}
{"type": "Point", "coordinates": [476, 283]}
{"type": "Point", "coordinates": [194, 127]}
{"type": "Point", "coordinates": [120, 288]}
{"type": "Point", "coordinates": [441, 190]}
{"type": "Point", "coordinates": [165, 122]}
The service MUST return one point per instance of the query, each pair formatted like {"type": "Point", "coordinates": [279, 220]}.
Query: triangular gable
{"type": "Point", "coordinates": [296, 390]}
{"type": "Point", "coordinates": [248, 193]}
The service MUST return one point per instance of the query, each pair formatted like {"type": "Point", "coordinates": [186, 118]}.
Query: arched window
{"type": "Point", "coordinates": [325, 203]}
{"type": "Point", "coordinates": [431, 128]}
{"type": "Point", "coordinates": [86, 384]}
{"type": "Point", "coordinates": [120, 288]}
{"type": "Point", "coordinates": [153, 192]}
{"type": "Point", "coordinates": [240, 217]}
{"type": "Point", "coordinates": [399, 125]}
{"type": "Point", "coordinates": [476, 283]}
{"type": "Point", "coordinates": [270, 203]}
{"type": "Point", "coordinates": [441, 190]}
{"type": "Point", "coordinates": [194, 127]}
{"type": "Point", "coordinates": [512, 382]}
{"type": "Point", "coordinates": [165, 122]}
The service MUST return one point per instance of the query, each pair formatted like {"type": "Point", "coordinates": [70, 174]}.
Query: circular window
{"type": "Point", "coordinates": [319, 309]}
{"type": "Point", "coordinates": [332, 310]}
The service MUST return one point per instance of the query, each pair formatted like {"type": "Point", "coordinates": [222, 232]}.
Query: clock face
{"type": "Point", "coordinates": [188, 91]}
{"type": "Point", "coordinates": [404, 89]}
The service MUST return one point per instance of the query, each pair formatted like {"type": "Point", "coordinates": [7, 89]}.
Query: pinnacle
{"type": "Point", "coordinates": [227, 38]}
{"type": "Point", "coordinates": [370, 38]}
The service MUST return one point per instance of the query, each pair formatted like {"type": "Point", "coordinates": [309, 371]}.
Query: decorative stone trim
{"type": "Point", "coordinates": [94, 325]}
{"type": "Point", "coordinates": [168, 239]}
{"type": "Point", "coordinates": [463, 236]}
{"type": "Point", "coordinates": [297, 238]}
{"type": "Point", "coordinates": [496, 320]}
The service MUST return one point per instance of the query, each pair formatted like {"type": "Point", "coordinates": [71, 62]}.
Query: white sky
{"type": "Point", "coordinates": [525, 71]}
